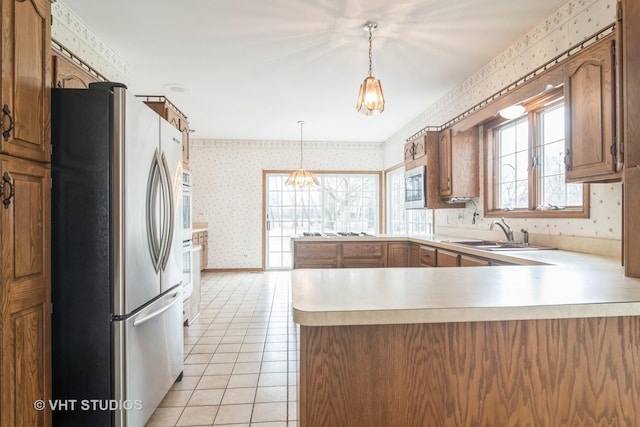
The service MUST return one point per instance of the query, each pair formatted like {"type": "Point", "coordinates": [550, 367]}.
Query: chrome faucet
{"type": "Point", "coordinates": [505, 227]}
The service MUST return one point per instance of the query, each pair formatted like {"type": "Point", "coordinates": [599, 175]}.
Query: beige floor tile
{"type": "Point", "coordinates": [164, 417]}
{"type": "Point", "coordinates": [194, 370]}
{"type": "Point", "coordinates": [239, 395]}
{"type": "Point", "coordinates": [230, 414]}
{"type": "Point", "coordinates": [213, 381]}
{"type": "Point", "coordinates": [204, 348]}
{"type": "Point", "coordinates": [197, 358]}
{"type": "Point", "coordinates": [272, 379]}
{"type": "Point", "coordinates": [280, 366]}
{"type": "Point", "coordinates": [187, 383]}
{"type": "Point", "coordinates": [206, 397]}
{"type": "Point", "coordinates": [249, 357]}
{"type": "Point", "coordinates": [175, 398]}
{"type": "Point", "coordinates": [228, 348]}
{"type": "Point", "coordinates": [269, 412]}
{"type": "Point", "coordinates": [271, 394]}
{"type": "Point", "coordinates": [246, 368]}
{"type": "Point", "coordinates": [224, 358]}
{"type": "Point", "coordinates": [219, 369]}
{"type": "Point", "coordinates": [274, 356]}
{"type": "Point", "coordinates": [243, 380]}
{"type": "Point", "coordinates": [198, 415]}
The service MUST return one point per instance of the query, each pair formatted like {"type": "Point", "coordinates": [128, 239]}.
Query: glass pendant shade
{"type": "Point", "coordinates": [302, 178]}
{"type": "Point", "coordinates": [370, 98]}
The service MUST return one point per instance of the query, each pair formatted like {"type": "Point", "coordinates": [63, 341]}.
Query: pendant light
{"type": "Point", "coordinates": [370, 98]}
{"type": "Point", "coordinates": [302, 177]}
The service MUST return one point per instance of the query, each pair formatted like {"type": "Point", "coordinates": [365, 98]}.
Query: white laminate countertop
{"type": "Point", "coordinates": [553, 284]}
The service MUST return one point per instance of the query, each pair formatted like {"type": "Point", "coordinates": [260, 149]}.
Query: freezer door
{"type": "Point", "coordinates": [171, 152]}
{"type": "Point", "coordinates": [136, 136]}
{"type": "Point", "coordinates": [148, 358]}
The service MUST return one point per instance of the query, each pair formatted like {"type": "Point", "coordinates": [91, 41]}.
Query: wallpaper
{"type": "Point", "coordinates": [567, 26]}
{"type": "Point", "coordinates": [227, 187]}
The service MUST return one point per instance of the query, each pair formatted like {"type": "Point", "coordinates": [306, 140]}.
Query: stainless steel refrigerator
{"type": "Point", "coordinates": [117, 334]}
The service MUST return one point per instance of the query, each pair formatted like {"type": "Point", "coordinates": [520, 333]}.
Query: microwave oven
{"type": "Point", "coordinates": [415, 188]}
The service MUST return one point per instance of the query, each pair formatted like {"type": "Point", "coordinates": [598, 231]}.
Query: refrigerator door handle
{"type": "Point", "coordinates": [155, 221]}
{"type": "Point", "coordinates": [158, 312]}
{"type": "Point", "coordinates": [169, 213]}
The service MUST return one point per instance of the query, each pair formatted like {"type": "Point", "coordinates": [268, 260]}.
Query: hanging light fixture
{"type": "Point", "coordinates": [370, 98]}
{"type": "Point", "coordinates": [302, 177]}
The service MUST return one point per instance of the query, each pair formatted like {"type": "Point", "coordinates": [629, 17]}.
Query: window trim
{"type": "Point", "coordinates": [533, 109]}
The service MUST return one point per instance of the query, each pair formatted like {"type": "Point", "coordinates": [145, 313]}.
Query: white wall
{"type": "Point", "coordinates": [227, 189]}
{"type": "Point", "coordinates": [567, 26]}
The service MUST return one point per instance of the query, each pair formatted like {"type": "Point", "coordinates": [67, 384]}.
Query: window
{"type": "Point", "coordinates": [525, 165]}
{"type": "Point", "coordinates": [414, 222]}
{"type": "Point", "coordinates": [341, 203]}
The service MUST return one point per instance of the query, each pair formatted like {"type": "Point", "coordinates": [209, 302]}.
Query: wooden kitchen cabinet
{"type": "Point", "coordinates": [25, 292]}
{"type": "Point", "coordinates": [414, 255]}
{"type": "Point", "coordinates": [415, 149]}
{"type": "Point", "coordinates": [25, 212]}
{"type": "Point", "coordinates": [448, 258]}
{"type": "Point", "coordinates": [591, 152]}
{"type": "Point", "coordinates": [315, 254]}
{"type": "Point", "coordinates": [398, 254]}
{"type": "Point", "coordinates": [173, 115]}
{"type": "Point", "coordinates": [26, 79]}
{"type": "Point", "coordinates": [427, 256]}
{"type": "Point", "coordinates": [69, 75]}
{"type": "Point", "coordinates": [363, 254]}
{"type": "Point", "coordinates": [458, 157]}
{"type": "Point", "coordinates": [473, 261]}
{"type": "Point", "coordinates": [444, 161]}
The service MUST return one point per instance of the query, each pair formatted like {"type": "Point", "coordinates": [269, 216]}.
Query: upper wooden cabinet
{"type": "Point", "coordinates": [173, 115]}
{"type": "Point", "coordinates": [444, 160]}
{"type": "Point", "coordinates": [69, 75]}
{"type": "Point", "coordinates": [26, 79]}
{"type": "Point", "coordinates": [415, 149]}
{"type": "Point", "coordinates": [590, 128]}
{"type": "Point", "coordinates": [458, 161]}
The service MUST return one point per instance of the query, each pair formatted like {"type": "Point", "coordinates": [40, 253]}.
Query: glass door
{"type": "Point", "coordinates": [343, 202]}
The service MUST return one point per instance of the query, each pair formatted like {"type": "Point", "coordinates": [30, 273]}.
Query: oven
{"type": "Point", "coordinates": [187, 207]}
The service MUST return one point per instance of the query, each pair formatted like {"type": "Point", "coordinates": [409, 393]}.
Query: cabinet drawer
{"type": "Point", "coordinates": [362, 250]}
{"type": "Point", "coordinates": [316, 250]}
{"type": "Point", "coordinates": [427, 256]}
{"type": "Point", "coordinates": [362, 263]}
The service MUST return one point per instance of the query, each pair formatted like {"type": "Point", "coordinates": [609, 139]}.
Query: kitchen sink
{"type": "Point", "coordinates": [492, 245]}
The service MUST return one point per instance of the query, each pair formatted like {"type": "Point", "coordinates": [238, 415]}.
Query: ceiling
{"type": "Point", "coordinates": [253, 68]}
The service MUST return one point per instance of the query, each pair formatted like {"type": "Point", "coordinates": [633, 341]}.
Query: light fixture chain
{"type": "Point", "coordinates": [370, 56]}
{"type": "Point", "coordinates": [301, 152]}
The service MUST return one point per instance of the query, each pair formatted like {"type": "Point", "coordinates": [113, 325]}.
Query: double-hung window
{"type": "Point", "coordinates": [525, 165]}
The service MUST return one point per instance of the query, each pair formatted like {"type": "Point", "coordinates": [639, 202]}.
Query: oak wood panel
{"type": "Point", "coordinates": [26, 78]}
{"type": "Point", "coordinates": [362, 262]}
{"type": "Point", "coordinates": [434, 201]}
{"type": "Point", "coordinates": [590, 112]}
{"type": "Point", "coordinates": [448, 258]}
{"type": "Point", "coordinates": [473, 261]}
{"type": "Point", "coordinates": [315, 255]}
{"type": "Point", "coordinates": [25, 293]}
{"type": "Point", "coordinates": [553, 372]}
{"type": "Point", "coordinates": [428, 256]}
{"type": "Point", "coordinates": [69, 75]}
{"type": "Point", "coordinates": [365, 249]}
{"type": "Point", "coordinates": [398, 255]}
{"type": "Point", "coordinates": [370, 376]}
{"type": "Point", "coordinates": [444, 162]}
{"type": "Point", "coordinates": [631, 136]}
{"type": "Point", "coordinates": [414, 255]}
{"type": "Point", "coordinates": [465, 163]}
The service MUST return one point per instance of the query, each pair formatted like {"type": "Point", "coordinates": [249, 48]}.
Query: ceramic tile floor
{"type": "Point", "coordinates": [241, 356]}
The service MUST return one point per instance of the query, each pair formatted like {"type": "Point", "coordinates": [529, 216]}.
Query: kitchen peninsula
{"type": "Point", "coordinates": [557, 343]}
